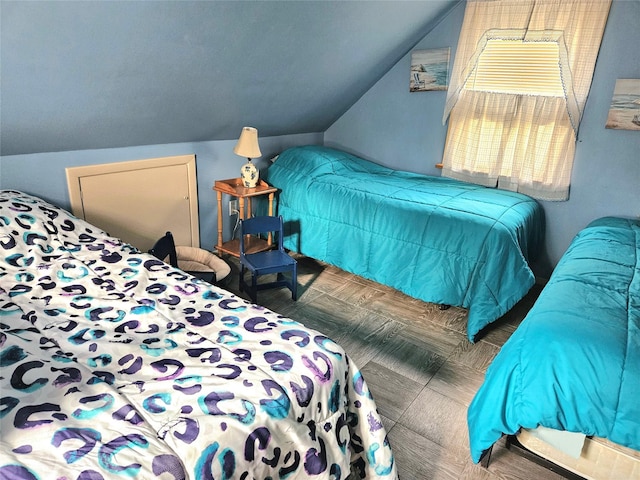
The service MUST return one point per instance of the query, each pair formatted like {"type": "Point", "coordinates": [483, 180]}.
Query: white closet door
{"type": "Point", "coordinates": [139, 201]}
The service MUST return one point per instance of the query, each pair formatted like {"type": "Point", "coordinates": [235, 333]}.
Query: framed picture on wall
{"type": "Point", "coordinates": [429, 70]}
{"type": "Point", "coordinates": [624, 112]}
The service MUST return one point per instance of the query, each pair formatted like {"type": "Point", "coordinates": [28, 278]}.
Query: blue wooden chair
{"type": "Point", "coordinates": [265, 262]}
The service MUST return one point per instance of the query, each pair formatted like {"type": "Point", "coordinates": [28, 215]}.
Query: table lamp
{"type": "Point", "coordinates": [247, 146]}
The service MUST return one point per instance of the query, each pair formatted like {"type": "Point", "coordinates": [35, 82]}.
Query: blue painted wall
{"type": "Point", "coordinates": [108, 74]}
{"type": "Point", "coordinates": [404, 130]}
{"type": "Point", "coordinates": [43, 174]}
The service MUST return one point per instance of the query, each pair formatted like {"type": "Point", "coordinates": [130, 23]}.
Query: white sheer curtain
{"type": "Point", "coordinates": [524, 143]}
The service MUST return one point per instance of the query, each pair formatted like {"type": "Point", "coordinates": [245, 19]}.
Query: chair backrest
{"type": "Point", "coordinates": [257, 225]}
{"type": "Point", "coordinates": [165, 247]}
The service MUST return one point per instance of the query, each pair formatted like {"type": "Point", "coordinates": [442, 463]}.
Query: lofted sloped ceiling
{"type": "Point", "coordinates": [81, 75]}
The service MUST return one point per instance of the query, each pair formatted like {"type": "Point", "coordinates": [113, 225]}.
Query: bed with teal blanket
{"type": "Point", "coordinates": [433, 238]}
{"type": "Point", "coordinates": [574, 362]}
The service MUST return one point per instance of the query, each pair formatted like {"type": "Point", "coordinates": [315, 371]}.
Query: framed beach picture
{"type": "Point", "coordinates": [624, 112]}
{"type": "Point", "coordinates": [429, 70]}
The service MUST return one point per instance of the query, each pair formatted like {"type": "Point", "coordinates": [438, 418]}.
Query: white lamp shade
{"type": "Point", "coordinates": [247, 145]}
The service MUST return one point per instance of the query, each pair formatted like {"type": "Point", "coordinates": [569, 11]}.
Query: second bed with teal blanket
{"type": "Point", "coordinates": [573, 364]}
{"type": "Point", "coordinates": [433, 238]}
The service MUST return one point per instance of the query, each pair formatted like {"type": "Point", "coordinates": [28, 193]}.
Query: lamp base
{"type": "Point", "coordinates": [249, 175]}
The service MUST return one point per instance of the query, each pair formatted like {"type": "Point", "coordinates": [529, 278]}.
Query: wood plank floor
{"type": "Point", "coordinates": [417, 361]}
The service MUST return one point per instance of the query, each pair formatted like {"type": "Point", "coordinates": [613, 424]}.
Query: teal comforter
{"type": "Point", "coordinates": [433, 238]}
{"type": "Point", "coordinates": [574, 362]}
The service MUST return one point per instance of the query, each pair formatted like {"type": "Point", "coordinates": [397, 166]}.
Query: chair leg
{"type": "Point", "coordinates": [294, 282]}
{"type": "Point", "coordinates": [241, 278]}
{"type": "Point", "coordinates": [254, 288]}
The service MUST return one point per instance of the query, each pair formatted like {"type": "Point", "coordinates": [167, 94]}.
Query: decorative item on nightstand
{"type": "Point", "coordinates": [247, 146]}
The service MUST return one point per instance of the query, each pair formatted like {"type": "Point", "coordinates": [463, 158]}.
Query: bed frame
{"type": "Point", "coordinates": [600, 459]}
{"type": "Point", "coordinates": [512, 444]}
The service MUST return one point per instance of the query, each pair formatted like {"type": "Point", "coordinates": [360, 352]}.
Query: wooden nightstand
{"type": "Point", "coordinates": [235, 188]}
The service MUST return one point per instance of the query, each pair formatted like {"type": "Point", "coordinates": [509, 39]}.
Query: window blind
{"type": "Point", "coordinates": [518, 67]}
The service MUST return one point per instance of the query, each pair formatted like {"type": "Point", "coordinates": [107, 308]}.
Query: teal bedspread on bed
{"type": "Point", "coordinates": [433, 238]}
{"type": "Point", "coordinates": [574, 362]}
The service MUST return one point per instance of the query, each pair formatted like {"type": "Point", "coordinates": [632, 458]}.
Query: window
{"type": "Point", "coordinates": [520, 81]}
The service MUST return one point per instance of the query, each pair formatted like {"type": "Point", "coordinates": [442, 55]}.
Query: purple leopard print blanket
{"type": "Point", "coordinates": [116, 365]}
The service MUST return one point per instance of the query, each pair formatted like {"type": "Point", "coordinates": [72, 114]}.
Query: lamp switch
{"type": "Point", "coordinates": [233, 207]}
